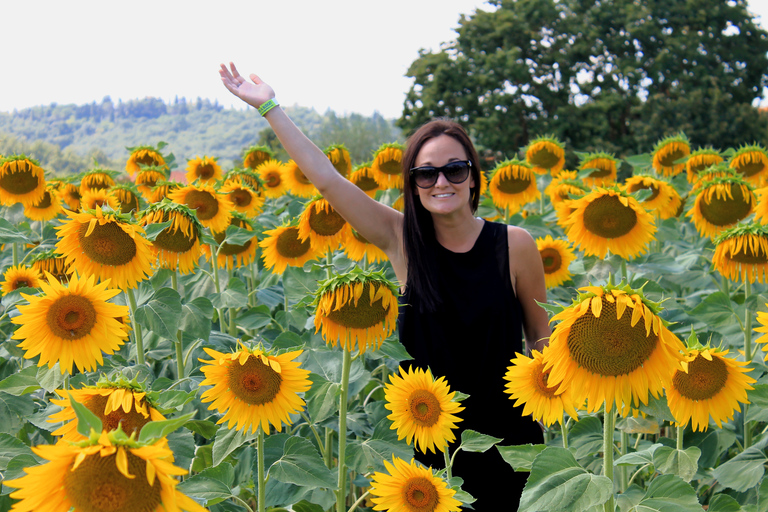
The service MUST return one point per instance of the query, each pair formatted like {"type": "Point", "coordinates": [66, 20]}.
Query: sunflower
{"type": "Point", "coordinates": [282, 247]}
{"type": "Point", "coordinates": [296, 182]}
{"type": "Point", "coordinates": [322, 225]}
{"type": "Point", "coordinates": [611, 347]}
{"type": "Point", "coordinates": [709, 173]}
{"type": "Point", "coordinates": [357, 309]}
{"type": "Point", "coordinates": [357, 247]}
{"type": "Point", "coordinates": [700, 160]}
{"type": "Point", "coordinates": [741, 253]}
{"type": "Point", "coordinates": [20, 276]}
{"type": "Point", "coordinates": [751, 162]}
{"type": "Point", "coordinates": [147, 178]}
{"type": "Point", "coordinates": [70, 195]}
{"type": "Point", "coordinates": [243, 197]}
{"type": "Point", "coordinates": [47, 208]}
{"type": "Point", "coordinates": [387, 165]}
{"type": "Point", "coordinates": [720, 204]}
{"type": "Point", "coordinates": [178, 245]}
{"type": "Point", "coordinates": [664, 201]}
{"type": "Point", "coordinates": [127, 198]}
{"type": "Point", "coordinates": [545, 153]}
{"type": "Point", "coordinates": [21, 181]}
{"type": "Point", "coordinates": [513, 184]}
{"type": "Point", "coordinates": [50, 262]}
{"type": "Point", "coordinates": [100, 197]}
{"type": "Point", "coordinates": [97, 179]}
{"type": "Point", "coordinates": [107, 245]}
{"type": "Point", "coordinates": [412, 488]}
{"type": "Point", "coordinates": [70, 324]}
{"type": "Point", "coordinates": [204, 169]}
{"type": "Point", "coordinates": [669, 154]}
{"type": "Point", "coordinates": [231, 255]}
{"type": "Point", "coordinates": [609, 220]}
{"type": "Point", "coordinates": [254, 388]}
{"type": "Point", "coordinates": [564, 186]}
{"type": "Point", "coordinates": [556, 255]}
{"type": "Point", "coordinates": [362, 176]}
{"type": "Point", "coordinates": [256, 155]}
{"type": "Point", "coordinates": [271, 175]}
{"type": "Point", "coordinates": [214, 210]}
{"type": "Point", "coordinates": [144, 156]}
{"type": "Point", "coordinates": [106, 472]}
{"type": "Point", "coordinates": [339, 157]}
{"type": "Point", "coordinates": [248, 177]}
{"type": "Point", "coordinates": [601, 167]}
{"type": "Point", "coordinates": [709, 384]}
{"type": "Point", "coordinates": [162, 189]}
{"type": "Point", "coordinates": [527, 383]}
{"type": "Point", "coordinates": [762, 319]}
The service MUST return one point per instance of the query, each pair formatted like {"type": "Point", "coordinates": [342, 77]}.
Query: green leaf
{"type": "Point", "coordinates": [161, 314]}
{"type": "Point", "coordinates": [321, 398]}
{"type": "Point", "coordinates": [227, 441]}
{"type": "Point", "coordinates": [715, 310]}
{"type": "Point", "coordinates": [196, 318]}
{"type": "Point", "coordinates": [683, 463]}
{"type": "Point", "coordinates": [301, 464]}
{"type": "Point", "coordinates": [153, 230]}
{"type": "Point", "coordinates": [21, 383]}
{"type": "Point", "coordinates": [17, 465]}
{"type": "Point", "coordinates": [86, 420]}
{"type": "Point", "coordinates": [639, 458]}
{"type": "Point", "coordinates": [238, 236]}
{"type": "Point", "coordinates": [472, 441]}
{"type": "Point", "coordinates": [762, 496]}
{"type": "Point", "coordinates": [205, 428]}
{"type": "Point", "coordinates": [157, 429]}
{"type": "Point", "coordinates": [11, 447]}
{"type": "Point", "coordinates": [521, 457]}
{"type": "Point", "coordinates": [639, 425]}
{"type": "Point", "coordinates": [586, 436]}
{"type": "Point", "coordinates": [174, 398]}
{"type": "Point", "coordinates": [212, 485]}
{"type": "Point", "coordinates": [305, 506]}
{"type": "Point", "coordinates": [723, 503]}
{"type": "Point", "coordinates": [255, 318]}
{"type": "Point", "coordinates": [10, 234]}
{"type": "Point", "coordinates": [558, 483]}
{"type": "Point", "coordinates": [235, 295]}
{"type": "Point", "coordinates": [368, 455]}
{"type": "Point", "coordinates": [668, 493]}
{"type": "Point", "coordinates": [50, 379]}
{"type": "Point", "coordinates": [744, 471]}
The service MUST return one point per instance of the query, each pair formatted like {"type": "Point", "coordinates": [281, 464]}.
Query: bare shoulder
{"type": "Point", "coordinates": [520, 241]}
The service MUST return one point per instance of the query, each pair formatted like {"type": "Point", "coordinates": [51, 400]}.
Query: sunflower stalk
{"type": "Point", "coordinates": [177, 342]}
{"type": "Point", "coordinates": [747, 357]}
{"type": "Point", "coordinates": [609, 425]}
{"type": "Point", "coordinates": [217, 285]}
{"type": "Point", "coordinates": [346, 364]}
{"type": "Point", "coordinates": [623, 469]}
{"type": "Point", "coordinates": [448, 463]}
{"type": "Point", "coordinates": [358, 502]}
{"type": "Point", "coordinates": [262, 484]}
{"type": "Point", "coordinates": [679, 437]}
{"type": "Point", "coordinates": [564, 424]}
{"type": "Point", "coordinates": [15, 253]}
{"type": "Point", "coordinates": [136, 327]}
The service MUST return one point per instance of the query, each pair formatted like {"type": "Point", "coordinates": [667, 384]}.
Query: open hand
{"type": "Point", "coordinates": [254, 93]}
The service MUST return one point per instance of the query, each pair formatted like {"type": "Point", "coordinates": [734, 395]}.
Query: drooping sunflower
{"type": "Point", "coordinates": [51, 262]}
{"type": "Point", "coordinates": [607, 219]}
{"type": "Point", "coordinates": [214, 210]}
{"type": "Point", "coordinates": [297, 182]}
{"type": "Point", "coordinates": [98, 197]}
{"type": "Point", "coordinates": [338, 154]}
{"type": "Point", "coordinates": [147, 178]}
{"type": "Point", "coordinates": [513, 185]}
{"type": "Point", "coordinates": [282, 247]}
{"type": "Point", "coordinates": [142, 156]}
{"type": "Point", "coordinates": [721, 203]}
{"type": "Point", "coordinates": [741, 253]}
{"type": "Point", "coordinates": [70, 195]}
{"type": "Point", "coordinates": [256, 155]}
{"type": "Point", "coordinates": [21, 181]}
{"type": "Point", "coordinates": [357, 247]}
{"type": "Point", "coordinates": [20, 276]}
{"type": "Point", "coordinates": [556, 255]}
{"type": "Point", "coordinates": [47, 208]}
{"type": "Point", "coordinates": [107, 245]}
{"type": "Point", "coordinates": [611, 347]}
{"type": "Point", "coordinates": [70, 324]}
{"type": "Point", "coordinates": [205, 169]}
{"type": "Point", "coordinates": [97, 179]}
{"type": "Point", "coordinates": [700, 160]}
{"type": "Point", "coordinates": [357, 309]}
{"type": "Point", "coordinates": [362, 176]}
{"type": "Point", "coordinates": [545, 153]}
{"type": "Point", "coordinates": [243, 197]}
{"type": "Point", "coordinates": [178, 245]}
{"type": "Point", "coordinates": [106, 472]}
{"type": "Point", "coordinates": [563, 210]}
{"type": "Point", "coordinates": [271, 175]}
{"type": "Point", "coordinates": [127, 198]}
{"type": "Point", "coordinates": [231, 255]}
{"type": "Point", "coordinates": [762, 319]}
{"type": "Point", "coordinates": [247, 176]}
{"type": "Point", "coordinates": [527, 383]}
{"type": "Point", "coordinates": [387, 165]}
{"type": "Point", "coordinates": [564, 186]}
{"type": "Point", "coordinates": [161, 190]}
{"type": "Point", "coordinates": [411, 487]}
{"type": "Point", "coordinates": [254, 388]}
{"type": "Point", "coordinates": [751, 162]}
{"type": "Point", "coordinates": [598, 169]}
{"type": "Point", "coordinates": [669, 154]}
{"type": "Point", "coordinates": [708, 384]}
{"type": "Point", "coordinates": [664, 201]}
{"type": "Point", "coordinates": [322, 225]}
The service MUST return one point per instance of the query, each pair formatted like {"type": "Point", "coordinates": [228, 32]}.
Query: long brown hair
{"type": "Point", "coordinates": [418, 229]}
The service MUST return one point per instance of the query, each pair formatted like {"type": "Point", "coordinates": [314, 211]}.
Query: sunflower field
{"type": "Point", "coordinates": [229, 343]}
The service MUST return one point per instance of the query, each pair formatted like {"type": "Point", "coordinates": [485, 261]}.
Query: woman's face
{"type": "Point", "coordinates": [443, 197]}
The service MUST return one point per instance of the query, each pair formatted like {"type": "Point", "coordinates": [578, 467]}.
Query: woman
{"type": "Point", "coordinates": [471, 286]}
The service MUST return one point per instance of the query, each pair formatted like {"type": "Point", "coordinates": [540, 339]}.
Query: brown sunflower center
{"type": "Point", "coordinates": [724, 210]}
{"type": "Point", "coordinates": [607, 217]}
{"type": "Point", "coordinates": [704, 378]}
{"type": "Point", "coordinates": [205, 171]}
{"type": "Point", "coordinates": [325, 222]}
{"type": "Point", "coordinates": [241, 197]}
{"type": "Point", "coordinates": [21, 182]}
{"type": "Point", "coordinates": [71, 317]}
{"type": "Point", "coordinates": [339, 162]}
{"type": "Point", "coordinates": [128, 201]}
{"type": "Point", "coordinates": [669, 158]}
{"type": "Point", "coordinates": [544, 158]}
{"type": "Point", "coordinates": [609, 347]}
{"type": "Point", "coordinates": [129, 421]}
{"type": "Point", "coordinates": [750, 256]}
{"type": "Point", "coordinates": [45, 202]}
{"type": "Point", "coordinates": [21, 283]}
{"type": "Point", "coordinates": [364, 315]}
{"type": "Point", "coordinates": [390, 167]}
{"type": "Point", "coordinates": [420, 495]}
{"type": "Point", "coordinates": [147, 159]}
{"type": "Point", "coordinates": [639, 186]}
{"type": "Point", "coordinates": [366, 183]}
{"type": "Point", "coordinates": [149, 178]}
{"type": "Point", "coordinates": [542, 384]}
{"type": "Point", "coordinates": [254, 382]}
{"type": "Point", "coordinates": [602, 167]}
{"type": "Point", "coordinates": [272, 179]}
{"type": "Point", "coordinates": [552, 260]}
{"type": "Point", "coordinates": [107, 244]}
{"type": "Point", "coordinates": [175, 240]}
{"type": "Point", "coordinates": [424, 407]}
{"type": "Point", "coordinates": [255, 159]}
{"type": "Point", "coordinates": [703, 162]}
{"type": "Point", "coordinates": [513, 185]}
{"type": "Point", "coordinates": [228, 249]}
{"type": "Point", "coordinates": [204, 203]}
{"type": "Point", "coordinates": [289, 246]}
{"type": "Point", "coordinates": [300, 176]}
{"type": "Point", "coordinates": [750, 168]}
{"type": "Point", "coordinates": [98, 486]}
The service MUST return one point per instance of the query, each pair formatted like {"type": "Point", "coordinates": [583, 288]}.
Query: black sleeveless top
{"type": "Point", "coordinates": [470, 340]}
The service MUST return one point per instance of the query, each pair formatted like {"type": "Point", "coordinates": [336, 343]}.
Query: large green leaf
{"type": "Point", "coordinates": [472, 441]}
{"type": "Point", "coordinates": [521, 457]}
{"type": "Point", "coordinates": [723, 503]}
{"type": "Point", "coordinates": [367, 455]}
{"type": "Point", "coordinates": [50, 379]}
{"type": "Point", "coordinates": [301, 464]}
{"type": "Point", "coordinates": [668, 493]}
{"type": "Point", "coordinates": [234, 295]}
{"type": "Point", "coordinates": [238, 236]}
{"type": "Point", "coordinates": [10, 234]}
{"type": "Point", "coordinates": [196, 318]}
{"type": "Point", "coordinates": [744, 471]}
{"type": "Point", "coordinates": [683, 463]}
{"type": "Point", "coordinates": [586, 436]}
{"type": "Point", "coordinates": [158, 429]}
{"type": "Point", "coordinates": [255, 318]}
{"type": "Point", "coordinates": [639, 458]}
{"type": "Point", "coordinates": [212, 485]}
{"type": "Point", "coordinates": [322, 398]}
{"type": "Point", "coordinates": [21, 383]}
{"type": "Point", "coordinates": [161, 314]}
{"type": "Point", "coordinates": [228, 440]}
{"type": "Point", "coordinates": [11, 447]}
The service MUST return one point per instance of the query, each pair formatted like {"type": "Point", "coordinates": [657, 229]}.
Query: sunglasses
{"type": "Point", "coordinates": [455, 172]}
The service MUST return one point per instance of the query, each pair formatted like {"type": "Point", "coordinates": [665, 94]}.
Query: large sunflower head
{"type": "Point", "coordinates": [20, 276]}
{"type": "Point", "coordinates": [127, 198]}
{"type": "Point", "coordinates": [720, 170]}
{"type": "Point", "coordinates": [145, 156]}
{"type": "Point", "coordinates": [254, 388]}
{"type": "Point", "coordinates": [670, 153]}
{"type": "Point", "coordinates": [322, 225]}
{"type": "Point", "coordinates": [527, 383]}
{"type": "Point", "coordinates": [751, 162]}
{"type": "Point", "coordinates": [565, 186]}
{"type": "Point", "coordinates": [363, 177]}
{"type": "Point", "coordinates": [273, 182]}
{"type": "Point", "coordinates": [556, 255]}
{"type": "Point", "coordinates": [338, 154]}
{"type": "Point", "coordinates": [109, 471]}
{"type": "Point", "coordinates": [296, 181]}
{"type": "Point", "coordinates": [71, 325]}
{"type": "Point", "coordinates": [741, 253]}
{"type": "Point", "coordinates": [283, 247]}
{"type": "Point", "coordinates": [387, 165]}
{"type": "Point", "coordinates": [243, 197]}
{"type": "Point", "coordinates": [231, 255]}
{"type": "Point", "coordinates": [214, 210]}
{"type": "Point", "coordinates": [413, 488]}
{"type": "Point", "coordinates": [97, 179]}
{"type": "Point", "coordinates": [147, 178]}
{"type": "Point", "coordinates": [663, 201]}
{"type": "Point", "coordinates": [46, 208]}
{"type": "Point", "coordinates": [545, 153]}
{"type": "Point", "coordinates": [611, 347]}
{"type": "Point", "coordinates": [721, 203]}
{"type": "Point", "coordinates": [254, 156]}
{"type": "Point", "coordinates": [357, 247]}
{"type": "Point", "coordinates": [205, 169]}
{"type": "Point", "coordinates": [178, 245]}
{"type": "Point", "coordinates": [699, 160]}
{"type": "Point", "coordinates": [51, 263]}
{"type": "Point", "coordinates": [21, 181]}
{"type": "Point", "coordinates": [423, 409]}
{"type": "Point", "coordinates": [357, 309]}
{"type": "Point", "coordinates": [607, 219]}
{"type": "Point", "coordinates": [513, 185]}
{"type": "Point", "coordinates": [99, 198]}
{"type": "Point", "coordinates": [598, 169]}
{"type": "Point", "coordinates": [107, 245]}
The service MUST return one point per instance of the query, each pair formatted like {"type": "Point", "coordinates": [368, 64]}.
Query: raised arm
{"type": "Point", "coordinates": [378, 223]}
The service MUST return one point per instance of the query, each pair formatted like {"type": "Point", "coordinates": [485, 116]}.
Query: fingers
{"type": "Point", "coordinates": [255, 78]}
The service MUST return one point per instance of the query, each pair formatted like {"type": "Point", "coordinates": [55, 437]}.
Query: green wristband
{"type": "Point", "coordinates": [267, 106]}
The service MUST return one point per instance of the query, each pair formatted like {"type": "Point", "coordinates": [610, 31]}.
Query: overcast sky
{"type": "Point", "coordinates": [347, 55]}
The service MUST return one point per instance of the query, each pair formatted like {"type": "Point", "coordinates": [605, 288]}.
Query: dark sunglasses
{"type": "Point", "coordinates": [455, 172]}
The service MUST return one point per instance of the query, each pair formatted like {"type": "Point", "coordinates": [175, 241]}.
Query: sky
{"type": "Point", "coordinates": [346, 55]}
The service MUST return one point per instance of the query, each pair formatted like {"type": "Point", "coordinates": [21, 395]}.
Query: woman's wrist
{"type": "Point", "coordinates": [267, 106]}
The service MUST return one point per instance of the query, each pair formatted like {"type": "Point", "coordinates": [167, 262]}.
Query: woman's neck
{"type": "Point", "coordinates": [457, 233]}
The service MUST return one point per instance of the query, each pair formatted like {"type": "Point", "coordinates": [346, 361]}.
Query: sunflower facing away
{"type": "Point", "coordinates": [608, 219]}
{"type": "Point", "coordinates": [339, 157]}
{"type": "Point", "coordinates": [70, 324]}
{"type": "Point", "coordinates": [21, 181]}
{"type": "Point", "coordinates": [412, 488]}
{"type": "Point", "coordinates": [232, 255]}
{"type": "Point", "coordinates": [556, 255]}
{"type": "Point", "coordinates": [20, 276]}
{"type": "Point", "coordinates": [70, 195]}
{"type": "Point", "coordinates": [97, 179]}
{"type": "Point", "coordinates": [700, 160]}
{"type": "Point", "coordinates": [669, 153]}
{"type": "Point", "coordinates": [357, 247]}
{"type": "Point", "coordinates": [513, 185]}
{"type": "Point", "coordinates": [664, 201]}
{"type": "Point", "coordinates": [362, 176]}
{"type": "Point", "coordinates": [144, 156]}
{"type": "Point", "coordinates": [127, 198]}
{"type": "Point", "coordinates": [762, 319]}
{"type": "Point", "coordinates": [709, 384]}
{"type": "Point", "coordinates": [387, 165]}
{"type": "Point", "coordinates": [544, 154]}
{"type": "Point", "coordinates": [147, 179]}
{"type": "Point", "coordinates": [205, 169]}
{"type": "Point", "coordinates": [108, 472]}
{"type": "Point", "coordinates": [51, 262]}
{"type": "Point", "coordinates": [98, 197]}
{"type": "Point", "coordinates": [600, 169]}
{"type": "Point", "coordinates": [720, 204]}
{"type": "Point", "coordinates": [322, 225]}
{"type": "Point", "coordinates": [741, 253]}
{"type": "Point", "coordinates": [282, 247]}
{"type": "Point", "coordinates": [751, 162]}
{"type": "Point", "coordinates": [611, 347]}
{"type": "Point", "coordinates": [213, 210]}
{"type": "Point", "coordinates": [271, 175]}
{"type": "Point", "coordinates": [423, 409]}
{"type": "Point", "coordinates": [247, 176]}
{"type": "Point", "coordinates": [527, 383]}
{"type": "Point", "coordinates": [107, 245]}
{"type": "Point", "coordinates": [47, 208]}
{"type": "Point", "coordinates": [254, 388]}
{"type": "Point", "coordinates": [178, 245]}
{"type": "Point", "coordinates": [257, 155]}
{"type": "Point", "coordinates": [161, 190]}
{"type": "Point", "coordinates": [565, 186]}
{"type": "Point", "coordinates": [297, 182]}
{"type": "Point", "coordinates": [243, 197]}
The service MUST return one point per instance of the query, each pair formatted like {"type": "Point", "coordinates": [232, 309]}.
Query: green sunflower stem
{"type": "Point", "coordinates": [15, 253]}
{"type": "Point", "coordinates": [136, 327]}
{"type": "Point", "coordinates": [328, 450]}
{"type": "Point", "coordinates": [679, 440]}
{"type": "Point", "coordinates": [216, 283]}
{"type": "Point", "coordinates": [623, 469]}
{"type": "Point", "coordinates": [341, 499]}
{"type": "Point", "coordinates": [624, 270]}
{"type": "Point", "coordinates": [609, 425]}
{"type": "Point", "coordinates": [448, 463]}
{"type": "Point", "coordinates": [564, 431]}
{"type": "Point", "coordinates": [262, 484]}
{"type": "Point", "coordinates": [179, 356]}
{"type": "Point", "coordinates": [747, 357]}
